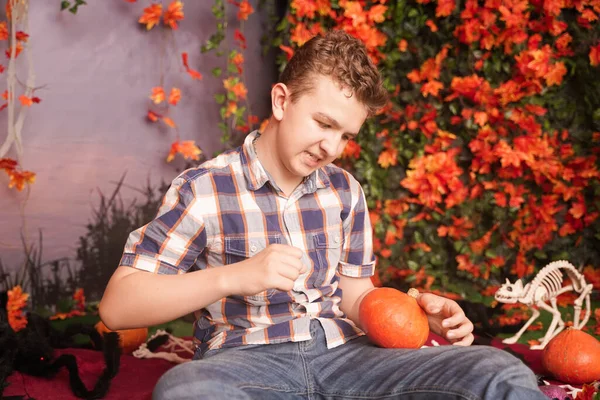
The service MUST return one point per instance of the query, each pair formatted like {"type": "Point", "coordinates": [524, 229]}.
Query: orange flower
{"type": "Point", "coordinates": [245, 10]}
{"type": "Point", "coordinates": [17, 300]}
{"type": "Point", "coordinates": [187, 149]}
{"type": "Point", "coordinates": [444, 8]}
{"type": "Point", "coordinates": [300, 34]}
{"type": "Point", "coordinates": [388, 157]}
{"type": "Point", "coordinates": [174, 96]}
{"type": "Point", "coordinates": [432, 87]}
{"type": "Point", "coordinates": [377, 13]}
{"type": "Point", "coordinates": [158, 95]}
{"type": "Point", "coordinates": [151, 15]}
{"type": "Point", "coordinates": [431, 25]}
{"type": "Point", "coordinates": [231, 109]}
{"type": "Point", "coordinates": [402, 45]}
{"type": "Point", "coordinates": [238, 60]}
{"type": "Point", "coordinates": [304, 8]}
{"type": "Point", "coordinates": [352, 150]}
{"type": "Point", "coordinates": [173, 14]}
{"type": "Point", "coordinates": [19, 179]}
{"type": "Point", "coordinates": [556, 74]}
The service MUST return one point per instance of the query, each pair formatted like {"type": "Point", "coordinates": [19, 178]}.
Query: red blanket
{"type": "Point", "coordinates": [137, 377]}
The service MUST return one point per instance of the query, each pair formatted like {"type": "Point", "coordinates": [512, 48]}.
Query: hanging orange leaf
{"type": "Point", "coordinates": [130, 1]}
{"type": "Point", "coordinates": [152, 116]}
{"type": "Point", "coordinates": [26, 101]}
{"type": "Point", "coordinates": [187, 149]}
{"type": "Point", "coordinates": [174, 96]}
{"type": "Point", "coordinates": [8, 164]}
{"type": "Point", "coordinates": [173, 14]}
{"type": "Point", "coordinates": [169, 122]}
{"type": "Point", "coordinates": [19, 179]}
{"type": "Point", "coordinates": [289, 52]}
{"type": "Point", "coordinates": [3, 31]}
{"type": "Point", "coordinates": [17, 300]}
{"type": "Point", "coordinates": [17, 50]}
{"type": "Point", "coordinates": [22, 36]}
{"type": "Point", "coordinates": [158, 95]}
{"type": "Point", "coordinates": [151, 15]}
{"type": "Point", "coordinates": [193, 73]}
{"type": "Point", "coordinates": [239, 38]}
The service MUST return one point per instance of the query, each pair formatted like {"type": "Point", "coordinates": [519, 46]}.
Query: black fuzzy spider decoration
{"type": "Point", "coordinates": [30, 351]}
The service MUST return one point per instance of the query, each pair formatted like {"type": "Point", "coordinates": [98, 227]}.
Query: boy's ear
{"type": "Point", "coordinates": [280, 95]}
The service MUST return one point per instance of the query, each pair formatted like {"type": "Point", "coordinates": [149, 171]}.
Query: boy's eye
{"type": "Point", "coordinates": [324, 125]}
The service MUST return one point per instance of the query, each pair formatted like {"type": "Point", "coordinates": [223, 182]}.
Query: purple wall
{"type": "Point", "coordinates": [98, 68]}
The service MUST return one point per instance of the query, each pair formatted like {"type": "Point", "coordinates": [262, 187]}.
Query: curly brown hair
{"type": "Point", "coordinates": [341, 57]}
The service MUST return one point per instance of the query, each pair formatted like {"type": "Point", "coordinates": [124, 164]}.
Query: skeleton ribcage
{"type": "Point", "coordinates": [552, 283]}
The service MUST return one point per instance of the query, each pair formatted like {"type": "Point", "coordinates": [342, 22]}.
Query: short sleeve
{"type": "Point", "coordinates": [358, 260]}
{"type": "Point", "coordinates": [173, 240]}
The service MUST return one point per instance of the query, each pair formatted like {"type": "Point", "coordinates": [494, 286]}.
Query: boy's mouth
{"type": "Point", "coordinates": [312, 159]}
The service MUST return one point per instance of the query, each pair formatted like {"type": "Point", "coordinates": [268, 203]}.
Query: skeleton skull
{"type": "Point", "coordinates": [509, 292]}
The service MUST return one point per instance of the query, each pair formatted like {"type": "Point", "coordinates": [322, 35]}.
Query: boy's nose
{"type": "Point", "coordinates": [330, 145]}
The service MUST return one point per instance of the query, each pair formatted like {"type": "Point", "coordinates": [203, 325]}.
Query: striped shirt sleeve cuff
{"type": "Point", "coordinates": [357, 271]}
{"type": "Point", "coordinates": [146, 263]}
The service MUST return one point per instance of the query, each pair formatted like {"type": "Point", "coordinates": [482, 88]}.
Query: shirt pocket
{"type": "Point", "coordinates": [240, 249]}
{"type": "Point", "coordinates": [328, 249]}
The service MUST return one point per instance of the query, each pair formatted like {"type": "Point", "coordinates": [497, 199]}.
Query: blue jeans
{"type": "Point", "coordinates": [355, 370]}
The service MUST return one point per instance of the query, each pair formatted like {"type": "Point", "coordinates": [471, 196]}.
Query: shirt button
{"type": "Point", "coordinates": [337, 239]}
{"type": "Point", "coordinates": [253, 248]}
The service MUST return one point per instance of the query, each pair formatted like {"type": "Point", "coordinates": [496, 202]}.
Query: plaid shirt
{"type": "Point", "coordinates": [229, 209]}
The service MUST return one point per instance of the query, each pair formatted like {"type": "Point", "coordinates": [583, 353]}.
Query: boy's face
{"type": "Point", "coordinates": [314, 129]}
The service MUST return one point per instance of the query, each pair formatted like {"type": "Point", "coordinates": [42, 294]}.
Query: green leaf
{"type": "Point", "coordinates": [412, 265]}
{"type": "Point", "coordinates": [220, 98]}
{"type": "Point", "coordinates": [217, 72]}
{"type": "Point", "coordinates": [64, 5]}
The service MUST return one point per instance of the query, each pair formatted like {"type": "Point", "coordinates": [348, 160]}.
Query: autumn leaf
{"type": "Point", "coordinates": [245, 9]}
{"type": "Point", "coordinates": [18, 50]}
{"type": "Point", "coordinates": [158, 95]}
{"type": "Point", "coordinates": [19, 179]}
{"type": "Point", "coordinates": [152, 116]}
{"type": "Point", "coordinates": [173, 14]}
{"type": "Point", "coordinates": [289, 52]}
{"type": "Point", "coordinates": [187, 149]}
{"type": "Point", "coordinates": [151, 15]}
{"type": "Point", "coordinates": [193, 73]}
{"type": "Point", "coordinates": [3, 31]}
{"type": "Point", "coordinates": [17, 300]}
{"type": "Point", "coordinates": [239, 37]}
{"type": "Point", "coordinates": [8, 164]}
{"type": "Point", "coordinates": [174, 96]}
{"type": "Point", "coordinates": [169, 122]}
{"type": "Point", "coordinates": [26, 101]}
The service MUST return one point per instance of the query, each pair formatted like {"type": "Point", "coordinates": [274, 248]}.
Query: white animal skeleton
{"type": "Point", "coordinates": [546, 287]}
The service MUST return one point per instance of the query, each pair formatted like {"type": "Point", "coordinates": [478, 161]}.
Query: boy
{"type": "Point", "coordinates": [270, 244]}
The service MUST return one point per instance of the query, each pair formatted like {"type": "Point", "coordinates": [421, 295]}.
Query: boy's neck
{"type": "Point", "coordinates": [270, 161]}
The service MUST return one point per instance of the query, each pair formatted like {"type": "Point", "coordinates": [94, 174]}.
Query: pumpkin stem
{"type": "Point", "coordinates": [412, 292]}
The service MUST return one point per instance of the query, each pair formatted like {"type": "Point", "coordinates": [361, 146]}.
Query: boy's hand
{"type": "Point", "coordinates": [447, 319]}
{"type": "Point", "coordinates": [276, 267]}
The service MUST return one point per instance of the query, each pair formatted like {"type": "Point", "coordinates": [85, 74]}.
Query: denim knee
{"type": "Point", "coordinates": [182, 383]}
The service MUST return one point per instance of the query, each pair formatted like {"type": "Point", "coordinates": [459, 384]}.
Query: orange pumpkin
{"type": "Point", "coordinates": [129, 339]}
{"type": "Point", "coordinates": [394, 319]}
{"type": "Point", "coordinates": [573, 356]}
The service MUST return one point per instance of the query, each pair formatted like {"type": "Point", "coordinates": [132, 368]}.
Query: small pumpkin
{"type": "Point", "coordinates": [393, 319]}
{"type": "Point", "coordinates": [573, 357]}
{"type": "Point", "coordinates": [129, 339]}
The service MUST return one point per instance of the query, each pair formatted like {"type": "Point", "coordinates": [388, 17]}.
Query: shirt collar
{"type": "Point", "coordinates": [256, 176]}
